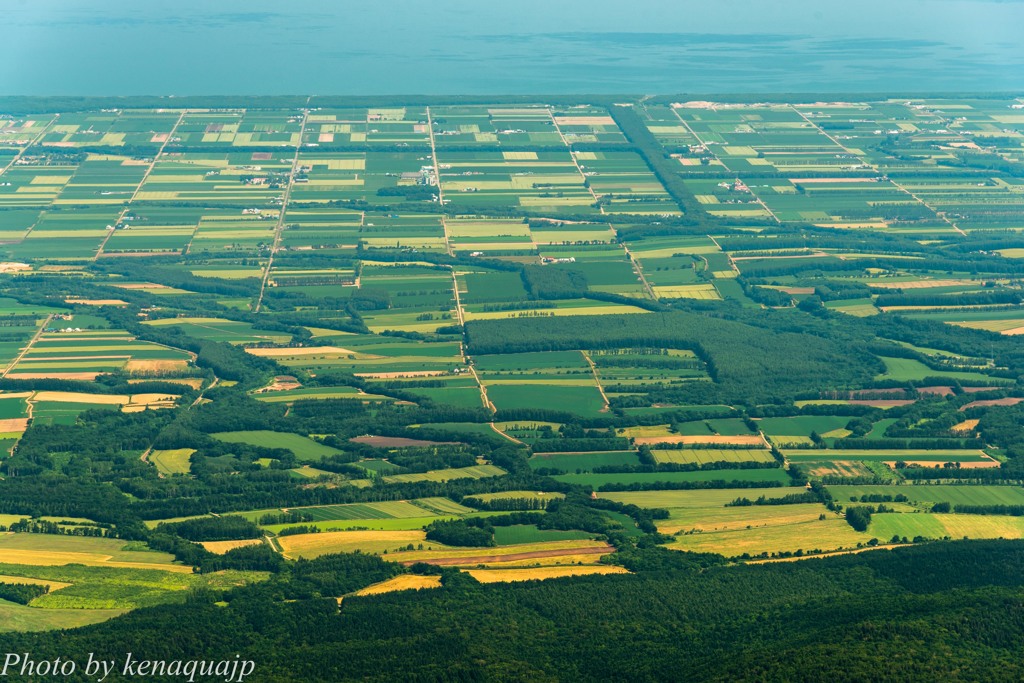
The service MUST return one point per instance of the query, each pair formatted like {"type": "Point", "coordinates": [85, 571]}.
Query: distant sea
{"type": "Point", "coordinates": [474, 47]}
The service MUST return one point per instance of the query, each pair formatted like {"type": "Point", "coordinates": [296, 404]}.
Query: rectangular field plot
{"type": "Point", "coordinates": [303, 447]}
{"type": "Point", "coordinates": [550, 182]}
{"type": "Point", "coordinates": [476, 472]}
{"type": "Point", "coordinates": [704, 456]}
{"type": "Point", "coordinates": [583, 398]}
{"type": "Point", "coordinates": [220, 329]}
{"type": "Point", "coordinates": [83, 354]}
{"type": "Point", "coordinates": [701, 522]}
{"type": "Point", "coordinates": [936, 526]}
{"type": "Point", "coordinates": [573, 462]}
{"type": "Point", "coordinates": [375, 357]}
{"type": "Point", "coordinates": [336, 128]}
{"type": "Point", "coordinates": [560, 552]}
{"type": "Point", "coordinates": [926, 496]}
{"type": "Point", "coordinates": [930, 458]}
{"type": "Point", "coordinates": [775, 475]}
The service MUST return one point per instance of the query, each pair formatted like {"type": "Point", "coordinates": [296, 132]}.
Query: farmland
{"type": "Point", "coordinates": [378, 353]}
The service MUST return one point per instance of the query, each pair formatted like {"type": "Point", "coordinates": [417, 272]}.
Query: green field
{"type": "Point", "coordinates": [303, 447]}
{"type": "Point", "coordinates": [928, 495]}
{"type": "Point", "coordinates": [95, 594]}
{"type": "Point", "coordinates": [703, 456]}
{"type": "Point", "coordinates": [936, 526]}
{"type": "Point", "coordinates": [904, 369]}
{"type": "Point", "coordinates": [348, 313]}
{"type": "Point", "coordinates": [598, 480]}
{"type": "Point", "coordinates": [908, 455]}
{"type": "Point", "coordinates": [571, 462]}
{"type": "Point", "coordinates": [529, 533]}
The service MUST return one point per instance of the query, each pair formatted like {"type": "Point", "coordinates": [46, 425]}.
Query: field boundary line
{"type": "Point", "coordinates": [597, 380]}
{"type": "Point", "coordinates": [279, 228]}
{"type": "Point", "coordinates": [28, 347]}
{"type": "Point", "coordinates": [575, 161]}
{"type": "Point", "coordinates": [860, 157]}
{"type": "Point", "coordinates": [138, 188]}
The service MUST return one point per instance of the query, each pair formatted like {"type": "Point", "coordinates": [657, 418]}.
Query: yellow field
{"type": "Point", "coordinates": [827, 534]}
{"type": "Point", "coordinates": [193, 382]}
{"type": "Point", "coordinates": [309, 546]}
{"type": "Point", "coordinates": [305, 351]}
{"type": "Point", "coordinates": [645, 431]}
{"type": "Point", "coordinates": [75, 397]}
{"type": "Point", "coordinates": [541, 573]}
{"type": "Point", "coordinates": [221, 547]}
{"type": "Point", "coordinates": [168, 365]}
{"type": "Point", "coordinates": [702, 498]}
{"type": "Point", "coordinates": [706, 292]}
{"type": "Point", "coordinates": [965, 426]}
{"type": "Point", "coordinates": [97, 302]}
{"type": "Point", "coordinates": [553, 561]}
{"type": "Point", "coordinates": [404, 582]}
{"type": "Point", "coordinates": [549, 552]}
{"type": "Point", "coordinates": [13, 425]}
{"type": "Point", "coordinates": [54, 585]}
{"type": "Point", "coordinates": [48, 550]}
{"type": "Point", "coordinates": [735, 518]}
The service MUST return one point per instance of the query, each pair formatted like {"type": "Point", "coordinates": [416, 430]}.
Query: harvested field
{"type": "Point", "coordinates": [144, 366]}
{"type": "Point", "coordinates": [85, 376]}
{"type": "Point", "coordinates": [992, 402]}
{"type": "Point", "coordinates": [965, 426]}
{"type": "Point", "coordinates": [221, 547]}
{"type": "Point", "coordinates": [541, 573]}
{"type": "Point", "coordinates": [936, 391]}
{"type": "Point", "coordinates": [970, 465]}
{"type": "Point", "coordinates": [17, 424]}
{"type": "Point", "coordinates": [275, 352]}
{"type": "Point", "coordinates": [399, 375]}
{"type": "Point", "coordinates": [838, 468]}
{"type": "Point", "coordinates": [97, 302]}
{"type": "Point", "coordinates": [456, 560]}
{"type": "Point", "coordinates": [404, 582]}
{"type": "Point", "coordinates": [30, 549]}
{"type": "Point", "coordinates": [192, 382]}
{"type": "Point", "coordinates": [309, 546]}
{"type": "Point", "coordinates": [75, 397]}
{"type": "Point", "coordinates": [742, 439]}
{"type": "Point", "coordinates": [920, 284]}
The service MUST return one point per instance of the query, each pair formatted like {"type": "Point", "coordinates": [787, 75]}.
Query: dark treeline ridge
{"type": "Point", "coordinates": [747, 364]}
{"type": "Point", "coordinates": [923, 612]}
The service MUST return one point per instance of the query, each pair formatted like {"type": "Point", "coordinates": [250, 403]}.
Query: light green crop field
{"type": "Point", "coordinates": [14, 617]}
{"type": "Point", "coordinates": [303, 447]}
{"type": "Point", "coordinates": [172, 461]}
{"type": "Point", "coordinates": [928, 525]}
{"type": "Point", "coordinates": [928, 495]}
{"type": "Point", "coordinates": [475, 472]}
{"type": "Point", "coordinates": [775, 474]}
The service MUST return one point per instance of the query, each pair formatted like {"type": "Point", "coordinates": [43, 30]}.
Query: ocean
{"type": "Point", "coordinates": [340, 47]}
